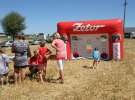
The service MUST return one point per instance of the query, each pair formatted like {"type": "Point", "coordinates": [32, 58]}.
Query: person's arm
{"type": "Point", "coordinates": [99, 55]}
{"type": "Point", "coordinates": [6, 60]}
{"type": "Point", "coordinates": [54, 46]}
{"type": "Point", "coordinates": [28, 51]}
{"type": "Point", "coordinates": [92, 54]}
{"type": "Point", "coordinates": [13, 48]}
{"type": "Point", "coordinates": [48, 52]}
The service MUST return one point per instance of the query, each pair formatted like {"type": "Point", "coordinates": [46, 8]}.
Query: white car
{"type": "Point", "coordinates": [8, 43]}
{"type": "Point", "coordinates": [35, 42]}
{"type": "Point", "coordinates": [132, 35]}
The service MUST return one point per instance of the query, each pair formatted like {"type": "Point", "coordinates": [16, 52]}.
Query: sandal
{"type": "Point", "coordinates": [58, 78]}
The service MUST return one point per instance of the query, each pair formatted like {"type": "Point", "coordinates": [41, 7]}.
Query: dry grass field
{"type": "Point", "coordinates": [111, 80]}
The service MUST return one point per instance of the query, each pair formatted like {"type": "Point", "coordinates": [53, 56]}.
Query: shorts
{"type": "Point", "coordinates": [60, 64]}
{"type": "Point", "coordinates": [96, 59]}
{"type": "Point", "coordinates": [19, 67]}
{"type": "Point", "coordinates": [60, 58]}
{"type": "Point", "coordinates": [6, 74]}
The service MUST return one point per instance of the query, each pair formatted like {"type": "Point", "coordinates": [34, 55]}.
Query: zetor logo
{"type": "Point", "coordinates": [88, 27]}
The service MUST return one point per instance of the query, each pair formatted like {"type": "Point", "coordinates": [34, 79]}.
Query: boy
{"type": "Point", "coordinates": [96, 57]}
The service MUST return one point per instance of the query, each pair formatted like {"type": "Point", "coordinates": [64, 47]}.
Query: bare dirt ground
{"type": "Point", "coordinates": [111, 80]}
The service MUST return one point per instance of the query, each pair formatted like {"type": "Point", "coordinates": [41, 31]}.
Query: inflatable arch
{"type": "Point", "coordinates": [83, 36]}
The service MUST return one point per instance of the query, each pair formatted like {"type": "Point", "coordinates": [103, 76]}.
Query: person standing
{"type": "Point", "coordinates": [59, 46]}
{"type": "Point", "coordinates": [4, 60]}
{"type": "Point", "coordinates": [45, 53]}
{"type": "Point", "coordinates": [96, 57]}
{"type": "Point", "coordinates": [21, 50]}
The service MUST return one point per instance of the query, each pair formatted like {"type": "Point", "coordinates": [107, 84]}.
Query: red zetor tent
{"type": "Point", "coordinates": [83, 36]}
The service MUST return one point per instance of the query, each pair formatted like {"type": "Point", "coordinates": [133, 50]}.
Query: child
{"type": "Point", "coordinates": [36, 65]}
{"type": "Point", "coordinates": [45, 53]}
{"type": "Point", "coordinates": [3, 66]}
{"type": "Point", "coordinates": [96, 56]}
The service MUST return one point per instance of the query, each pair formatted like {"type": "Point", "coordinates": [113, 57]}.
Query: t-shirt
{"type": "Point", "coordinates": [60, 51]}
{"type": "Point", "coordinates": [20, 49]}
{"type": "Point", "coordinates": [96, 55]}
{"type": "Point", "coordinates": [3, 64]}
{"type": "Point", "coordinates": [43, 50]}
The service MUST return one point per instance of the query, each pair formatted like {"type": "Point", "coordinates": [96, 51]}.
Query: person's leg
{"type": "Point", "coordinates": [41, 76]}
{"type": "Point", "coordinates": [61, 75]}
{"type": "Point", "coordinates": [19, 76]}
{"type": "Point", "coordinates": [2, 80]}
{"type": "Point", "coordinates": [16, 75]}
{"type": "Point", "coordinates": [30, 72]}
{"type": "Point", "coordinates": [44, 69]}
{"type": "Point", "coordinates": [61, 67]}
{"type": "Point", "coordinates": [98, 61]}
{"type": "Point", "coordinates": [94, 63]}
{"type": "Point", "coordinates": [33, 71]}
{"type": "Point", "coordinates": [6, 78]}
{"type": "Point", "coordinates": [22, 73]}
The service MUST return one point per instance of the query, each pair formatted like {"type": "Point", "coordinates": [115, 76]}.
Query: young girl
{"type": "Point", "coordinates": [36, 65]}
{"type": "Point", "coordinates": [45, 53]}
{"type": "Point", "coordinates": [3, 66]}
{"type": "Point", "coordinates": [96, 57]}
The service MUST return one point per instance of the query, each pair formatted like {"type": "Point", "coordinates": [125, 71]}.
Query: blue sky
{"type": "Point", "coordinates": [43, 15]}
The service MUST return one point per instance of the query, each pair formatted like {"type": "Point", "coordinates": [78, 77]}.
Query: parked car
{"type": "Point", "coordinates": [6, 43]}
{"type": "Point", "coordinates": [132, 35]}
{"type": "Point", "coordinates": [127, 35]}
{"type": "Point", "coordinates": [9, 43]}
{"type": "Point", "coordinates": [36, 42]}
